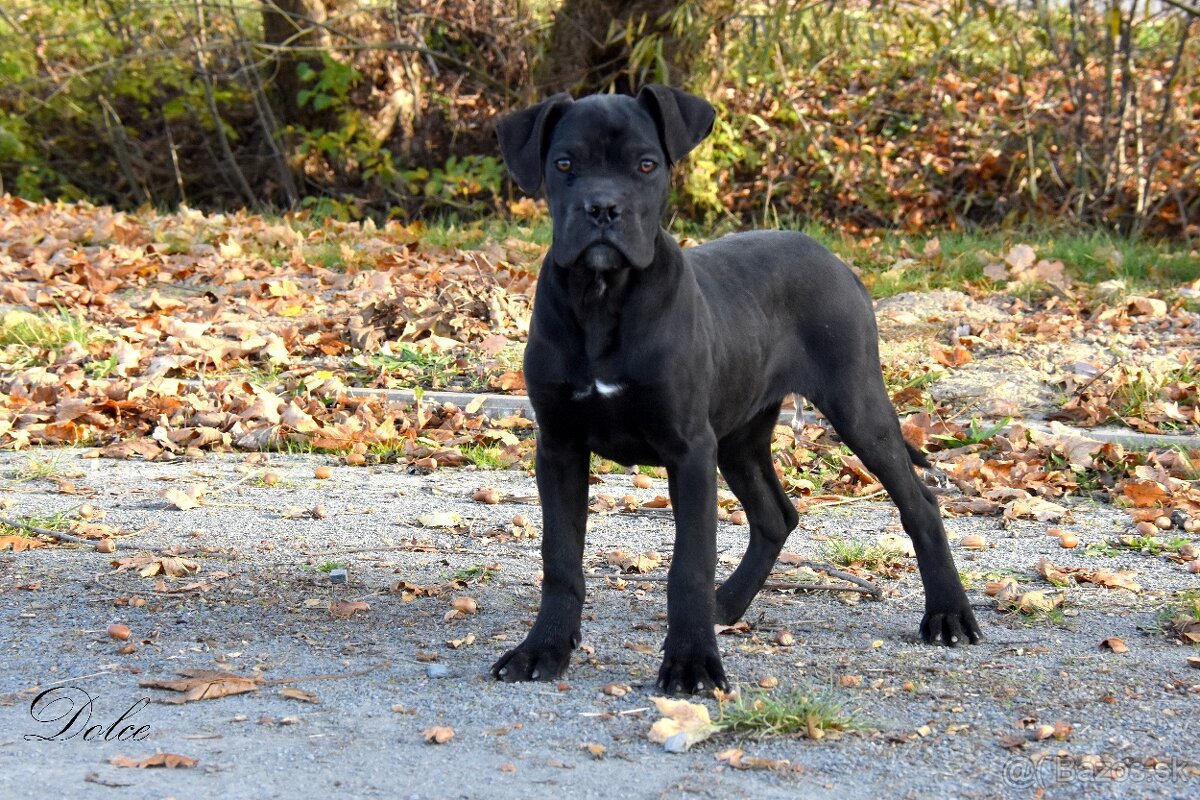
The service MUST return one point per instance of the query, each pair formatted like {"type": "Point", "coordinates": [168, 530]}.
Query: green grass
{"type": "Point", "coordinates": [475, 572]}
{"type": "Point", "coordinates": [1149, 545]}
{"type": "Point", "coordinates": [788, 713]}
{"type": "Point", "coordinates": [418, 368]}
{"type": "Point", "coordinates": [483, 456]}
{"type": "Point", "coordinates": [598, 465]}
{"type": "Point", "coordinates": [1143, 388]}
{"type": "Point", "coordinates": [482, 233]}
{"type": "Point", "coordinates": [976, 433]}
{"type": "Point", "coordinates": [262, 375]}
{"type": "Point", "coordinates": [34, 469]}
{"type": "Point", "coordinates": [330, 566]}
{"type": "Point", "coordinates": [261, 483]}
{"type": "Point", "coordinates": [897, 262]}
{"type": "Point", "coordinates": [1182, 614]}
{"type": "Point", "coordinates": [843, 552]}
{"type": "Point", "coordinates": [29, 338]}
{"type": "Point", "coordinates": [1056, 616]}
{"type": "Point", "coordinates": [60, 521]}
{"type": "Point", "coordinates": [328, 254]}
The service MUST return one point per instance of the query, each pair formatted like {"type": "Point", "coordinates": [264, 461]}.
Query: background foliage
{"type": "Point", "coordinates": [890, 114]}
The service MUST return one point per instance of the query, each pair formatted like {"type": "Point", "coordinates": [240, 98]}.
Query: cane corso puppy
{"type": "Point", "coordinates": [649, 354]}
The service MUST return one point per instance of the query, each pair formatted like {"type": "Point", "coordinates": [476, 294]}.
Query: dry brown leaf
{"type": "Point", "coordinates": [737, 758]}
{"type": "Point", "coordinates": [184, 501]}
{"type": "Point", "coordinates": [1009, 598]}
{"type": "Point", "coordinates": [439, 734]}
{"type": "Point", "coordinates": [440, 519]}
{"type": "Point", "coordinates": [1109, 579]}
{"type": "Point", "coordinates": [167, 760]}
{"type": "Point", "coordinates": [293, 693]}
{"type": "Point", "coordinates": [635, 563]}
{"type": "Point", "coordinates": [345, 609]}
{"type": "Point", "coordinates": [200, 684]}
{"type": "Point", "coordinates": [682, 725]}
{"type": "Point", "coordinates": [1115, 644]}
{"type": "Point", "coordinates": [19, 543]}
{"type": "Point", "coordinates": [955, 356]}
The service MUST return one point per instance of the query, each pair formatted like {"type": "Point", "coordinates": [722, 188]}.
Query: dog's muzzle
{"type": "Point", "coordinates": [602, 257]}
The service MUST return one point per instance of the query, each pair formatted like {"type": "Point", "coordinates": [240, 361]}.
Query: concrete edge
{"type": "Point", "coordinates": [499, 405]}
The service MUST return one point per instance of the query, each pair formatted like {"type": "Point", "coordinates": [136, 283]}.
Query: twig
{"type": "Point", "coordinates": [875, 593]}
{"type": "Point", "coordinates": [860, 585]}
{"type": "Point", "coordinates": [326, 677]}
{"type": "Point", "coordinates": [841, 501]}
{"type": "Point", "coordinates": [64, 537]}
{"type": "Point", "coordinates": [837, 573]}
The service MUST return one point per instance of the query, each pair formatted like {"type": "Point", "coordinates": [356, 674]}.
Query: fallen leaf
{"type": "Point", "coordinates": [167, 760]}
{"type": "Point", "coordinates": [683, 724]}
{"type": "Point", "coordinates": [19, 543]}
{"type": "Point", "coordinates": [439, 734]}
{"type": "Point", "coordinates": [440, 519]}
{"type": "Point", "coordinates": [203, 684]}
{"type": "Point", "coordinates": [345, 609]}
{"type": "Point", "coordinates": [737, 758]}
{"type": "Point", "coordinates": [1009, 599]}
{"type": "Point", "coordinates": [955, 356]}
{"type": "Point", "coordinates": [1109, 579]}
{"type": "Point", "coordinates": [183, 501]}
{"type": "Point", "coordinates": [1115, 644]}
{"type": "Point", "coordinates": [465, 605]}
{"type": "Point", "coordinates": [638, 564]}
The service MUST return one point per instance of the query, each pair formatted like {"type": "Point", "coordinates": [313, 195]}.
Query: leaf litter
{"type": "Point", "coordinates": [237, 337]}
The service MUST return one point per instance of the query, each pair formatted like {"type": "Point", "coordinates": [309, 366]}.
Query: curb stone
{"type": "Point", "coordinates": [499, 405]}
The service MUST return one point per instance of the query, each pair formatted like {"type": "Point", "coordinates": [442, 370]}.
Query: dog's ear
{"type": "Point", "coordinates": [523, 138]}
{"type": "Point", "coordinates": [683, 119]}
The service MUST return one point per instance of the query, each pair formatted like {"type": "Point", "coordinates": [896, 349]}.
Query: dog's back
{"type": "Point", "coordinates": [793, 307]}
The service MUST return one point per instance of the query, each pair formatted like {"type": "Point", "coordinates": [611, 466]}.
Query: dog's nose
{"type": "Point", "coordinates": [602, 212]}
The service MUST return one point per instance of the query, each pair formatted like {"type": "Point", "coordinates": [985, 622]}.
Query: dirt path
{"type": "Point", "coordinates": [935, 720]}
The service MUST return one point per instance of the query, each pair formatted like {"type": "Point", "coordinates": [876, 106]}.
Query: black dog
{"type": "Point", "coordinates": [648, 354]}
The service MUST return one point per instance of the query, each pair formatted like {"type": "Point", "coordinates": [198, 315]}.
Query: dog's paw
{"type": "Point", "coordinates": [691, 668]}
{"type": "Point", "coordinates": [950, 626]}
{"type": "Point", "coordinates": [532, 662]}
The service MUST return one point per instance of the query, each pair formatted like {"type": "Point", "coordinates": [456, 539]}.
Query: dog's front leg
{"type": "Point", "coordinates": [562, 480]}
{"type": "Point", "coordinates": [691, 661]}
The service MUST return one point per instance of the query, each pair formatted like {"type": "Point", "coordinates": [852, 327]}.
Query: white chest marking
{"type": "Point", "coordinates": [608, 389]}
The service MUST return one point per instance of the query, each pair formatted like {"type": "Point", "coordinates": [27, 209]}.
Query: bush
{"type": "Point", "coordinates": [884, 114]}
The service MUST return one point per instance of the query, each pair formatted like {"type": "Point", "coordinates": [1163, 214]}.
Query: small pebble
{"type": "Point", "coordinates": [337, 576]}
{"type": "Point", "coordinates": [436, 671]}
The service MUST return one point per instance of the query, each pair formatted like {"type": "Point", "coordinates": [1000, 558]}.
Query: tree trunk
{"type": "Point", "coordinates": [296, 26]}
{"type": "Point", "coordinates": [580, 58]}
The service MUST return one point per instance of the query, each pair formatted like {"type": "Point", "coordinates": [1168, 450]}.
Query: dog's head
{"type": "Point", "coordinates": [605, 161]}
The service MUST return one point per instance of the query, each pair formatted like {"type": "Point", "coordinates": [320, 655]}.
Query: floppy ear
{"type": "Point", "coordinates": [683, 119]}
{"type": "Point", "coordinates": [523, 137]}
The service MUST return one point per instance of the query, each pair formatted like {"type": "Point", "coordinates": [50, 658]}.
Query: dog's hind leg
{"type": "Point", "coordinates": [863, 415]}
{"type": "Point", "coordinates": [744, 457]}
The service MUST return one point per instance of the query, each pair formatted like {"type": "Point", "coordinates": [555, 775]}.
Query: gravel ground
{"type": "Point", "coordinates": [935, 717]}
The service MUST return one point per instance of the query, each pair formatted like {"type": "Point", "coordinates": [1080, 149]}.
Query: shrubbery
{"type": "Point", "coordinates": [889, 114]}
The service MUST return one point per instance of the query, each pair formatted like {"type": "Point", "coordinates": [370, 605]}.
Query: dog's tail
{"type": "Point", "coordinates": [917, 456]}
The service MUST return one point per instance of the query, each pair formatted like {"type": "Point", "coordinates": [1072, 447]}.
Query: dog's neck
{"type": "Point", "coordinates": [597, 300]}
{"type": "Point", "coordinates": [602, 302]}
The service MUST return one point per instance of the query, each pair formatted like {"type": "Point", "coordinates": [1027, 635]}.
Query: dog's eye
{"type": "Point", "coordinates": [647, 166]}
{"type": "Point", "coordinates": [563, 165]}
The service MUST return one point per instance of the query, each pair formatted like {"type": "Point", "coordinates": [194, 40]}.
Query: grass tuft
{"type": "Point", "coordinates": [794, 712]}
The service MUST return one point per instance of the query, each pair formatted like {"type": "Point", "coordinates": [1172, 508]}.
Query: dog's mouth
{"type": "Point", "coordinates": [601, 257]}
{"type": "Point", "coordinates": [600, 251]}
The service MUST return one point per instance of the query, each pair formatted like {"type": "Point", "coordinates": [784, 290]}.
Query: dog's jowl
{"type": "Point", "coordinates": [649, 354]}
